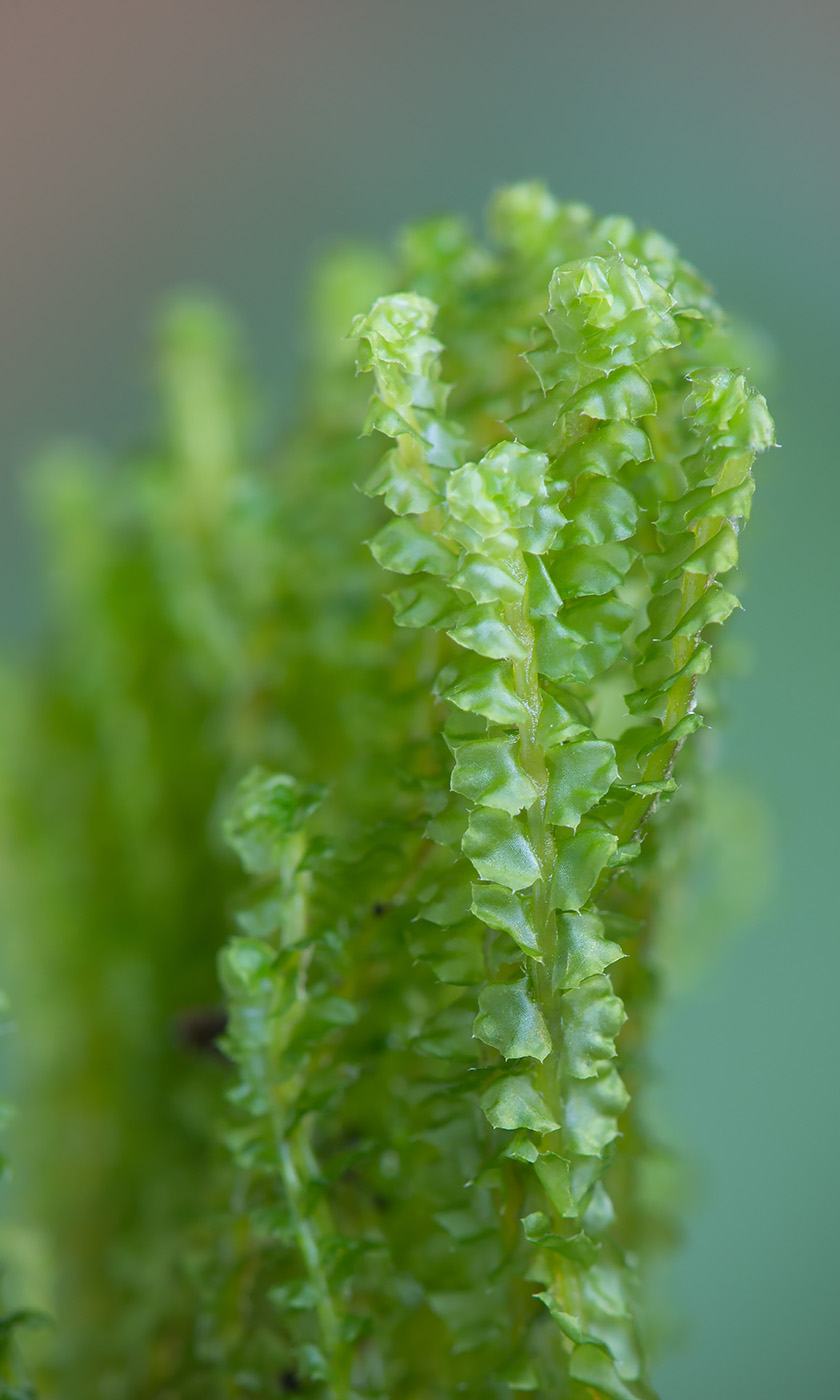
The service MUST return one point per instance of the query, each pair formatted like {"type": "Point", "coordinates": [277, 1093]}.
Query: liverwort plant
{"type": "Point", "coordinates": [567, 529]}
{"type": "Point", "coordinates": [395, 1150]}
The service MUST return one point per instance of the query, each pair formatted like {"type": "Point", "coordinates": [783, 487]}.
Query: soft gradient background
{"type": "Point", "coordinates": [145, 144]}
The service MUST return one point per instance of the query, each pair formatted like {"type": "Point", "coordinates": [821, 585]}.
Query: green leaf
{"type": "Point", "coordinates": [488, 582]}
{"type": "Point", "coordinates": [472, 499]}
{"type": "Point", "coordinates": [602, 512]}
{"type": "Point", "coordinates": [590, 570]}
{"type": "Point", "coordinates": [499, 908]}
{"type": "Point", "coordinates": [624, 394]}
{"type": "Point", "coordinates": [579, 775]}
{"type": "Point", "coordinates": [592, 1017]}
{"type": "Point", "coordinates": [509, 1020]}
{"type": "Point", "coordinates": [482, 630]}
{"type": "Point", "coordinates": [487, 771]}
{"type": "Point", "coordinates": [513, 1102]}
{"type": "Point", "coordinates": [267, 811]}
{"type": "Point", "coordinates": [404, 492]}
{"type": "Point", "coordinates": [606, 449]}
{"type": "Point", "coordinates": [405, 546]}
{"type": "Point", "coordinates": [499, 849]}
{"type": "Point", "coordinates": [579, 1248]}
{"type": "Point", "coordinates": [455, 956]}
{"type": "Point", "coordinates": [590, 1112]}
{"type": "Point", "coordinates": [580, 860]}
{"type": "Point", "coordinates": [244, 962]}
{"type": "Point", "coordinates": [582, 950]}
{"type": "Point", "coordinates": [488, 692]}
{"type": "Point", "coordinates": [689, 724]}
{"type": "Point", "coordinates": [427, 603]}
{"type": "Point", "coordinates": [715, 605]}
{"type": "Point", "coordinates": [717, 555]}
{"type": "Point", "coordinates": [464, 1224]}
{"type": "Point", "coordinates": [567, 1322]}
{"type": "Point", "coordinates": [592, 1365]}
{"type": "Point", "coordinates": [539, 527]}
{"type": "Point", "coordinates": [727, 504]}
{"type": "Point", "coordinates": [559, 723]}
{"type": "Point", "coordinates": [543, 598]}
{"type": "Point", "coordinates": [520, 1375]}
{"type": "Point", "coordinates": [521, 1149]}
{"type": "Point", "coordinates": [558, 650]}
{"type": "Point", "coordinates": [553, 1172]}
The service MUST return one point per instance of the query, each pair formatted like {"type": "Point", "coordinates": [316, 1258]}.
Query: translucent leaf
{"type": "Point", "coordinates": [582, 950]}
{"type": "Point", "coordinates": [405, 547]}
{"type": "Point", "coordinates": [244, 963]}
{"type": "Point", "coordinates": [404, 492]}
{"type": "Point", "coordinates": [499, 908]}
{"type": "Point", "coordinates": [603, 621]}
{"type": "Point", "coordinates": [382, 417]}
{"type": "Point", "coordinates": [427, 603]}
{"type": "Point", "coordinates": [454, 955]}
{"type": "Point", "coordinates": [499, 849]}
{"type": "Point", "coordinates": [624, 394]}
{"type": "Point", "coordinates": [553, 1172]}
{"type": "Point", "coordinates": [488, 772]}
{"type": "Point", "coordinates": [446, 903]}
{"type": "Point", "coordinates": [689, 724]}
{"type": "Point", "coordinates": [520, 1375]}
{"type": "Point", "coordinates": [601, 513]}
{"type": "Point", "coordinates": [510, 1021]}
{"type": "Point", "coordinates": [590, 1112]}
{"type": "Point", "coordinates": [487, 582]}
{"type": "Point", "coordinates": [706, 503]}
{"type": "Point", "coordinates": [482, 630]}
{"type": "Point", "coordinates": [579, 775]}
{"type": "Point", "coordinates": [580, 860]}
{"type": "Point", "coordinates": [463, 1224]}
{"type": "Point", "coordinates": [569, 1324]}
{"type": "Point", "coordinates": [606, 449]}
{"type": "Point", "coordinates": [539, 527]}
{"type": "Point", "coordinates": [579, 1248]}
{"type": "Point", "coordinates": [558, 650]}
{"type": "Point", "coordinates": [728, 410]}
{"type": "Point", "coordinates": [590, 570]}
{"type": "Point", "coordinates": [715, 605]}
{"type": "Point", "coordinates": [488, 692]}
{"type": "Point", "coordinates": [267, 809]}
{"type": "Point", "coordinates": [593, 1365]}
{"type": "Point", "coordinates": [731, 504]}
{"type": "Point", "coordinates": [717, 555]}
{"type": "Point", "coordinates": [471, 1319]}
{"type": "Point", "coordinates": [471, 499]}
{"type": "Point", "coordinates": [513, 1102]}
{"type": "Point", "coordinates": [517, 473]}
{"type": "Point", "coordinates": [543, 598]}
{"type": "Point", "coordinates": [522, 1149]}
{"type": "Point", "coordinates": [448, 1036]}
{"type": "Point", "coordinates": [592, 1017]}
{"type": "Point", "coordinates": [558, 724]}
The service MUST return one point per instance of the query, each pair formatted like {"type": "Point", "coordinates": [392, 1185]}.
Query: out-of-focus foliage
{"type": "Point", "coordinates": [387, 1151]}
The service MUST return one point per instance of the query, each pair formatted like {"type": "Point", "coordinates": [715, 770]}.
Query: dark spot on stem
{"type": "Point", "coordinates": [289, 1382]}
{"type": "Point", "coordinates": [198, 1028]}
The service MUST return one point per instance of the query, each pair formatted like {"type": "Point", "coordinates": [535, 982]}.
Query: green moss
{"type": "Point", "coordinates": [412, 1165]}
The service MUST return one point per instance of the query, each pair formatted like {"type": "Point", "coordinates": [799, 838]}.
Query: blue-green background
{"type": "Point", "coordinates": [146, 144]}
